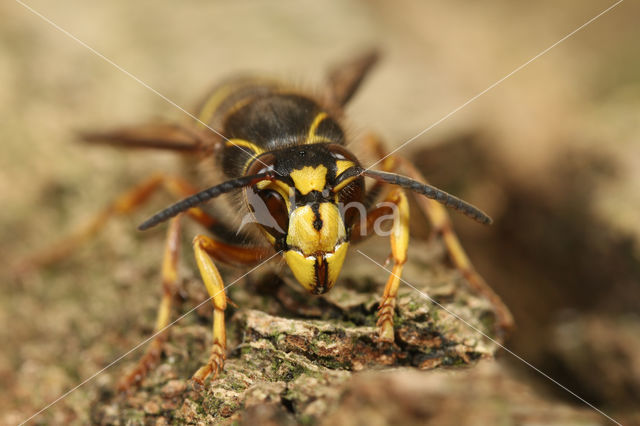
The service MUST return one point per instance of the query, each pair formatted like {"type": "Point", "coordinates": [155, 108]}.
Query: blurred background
{"type": "Point", "coordinates": [552, 153]}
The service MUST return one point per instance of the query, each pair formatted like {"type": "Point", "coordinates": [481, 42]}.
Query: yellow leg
{"type": "Point", "coordinates": [215, 288]}
{"type": "Point", "coordinates": [169, 286]}
{"type": "Point", "coordinates": [122, 205]}
{"type": "Point", "coordinates": [205, 248]}
{"type": "Point", "coordinates": [441, 224]}
{"type": "Point", "coordinates": [399, 239]}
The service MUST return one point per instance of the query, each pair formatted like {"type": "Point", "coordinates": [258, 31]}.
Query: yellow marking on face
{"type": "Point", "coordinates": [342, 165]}
{"type": "Point", "coordinates": [309, 178]}
{"type": "Point", "coordinates": [303, 235]}
{"type": "Point", "coordinates": [283, 189]}
{"type": "Point", "coordinates": [303, 268]}
{"type": "Point", "coordinates": [335, 261]}
{"type": "Point", "coordinates": [311, 136]}
{"type": "Point", "coordinates": [344, 183]}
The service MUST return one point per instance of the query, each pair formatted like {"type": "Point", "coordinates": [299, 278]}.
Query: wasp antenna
{"type": "Point", "coordinates": [431, 192]}
{"type": "Point", "coordinates": [202, 197]}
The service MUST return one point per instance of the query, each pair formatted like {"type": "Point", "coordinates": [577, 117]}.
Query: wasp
{"type": "Point", "coordinates": [283, 156]}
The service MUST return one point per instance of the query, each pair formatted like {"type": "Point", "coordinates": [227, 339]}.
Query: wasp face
{"type": "Point", "coordinates": [305, 206]}
{"type": "Point", "coordinates": [316, 245]}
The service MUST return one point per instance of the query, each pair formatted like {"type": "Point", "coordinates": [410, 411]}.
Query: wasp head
{"type": "Point", "coordinates": [302, 211]}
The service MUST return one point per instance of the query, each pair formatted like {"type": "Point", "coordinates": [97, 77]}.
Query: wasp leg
{"type": "Point", "coordinates": [205, 248]}
{"type": "Point", "coordinates": [123, 205]}
{"type": "Point", "coordinates": [169, 286]}
{"type": "Point", "coordinates": [441, 222]}
{"type": "Point", "coordinates": [441, 225]}
{"type": "Point", "coordinates": [394, 205]}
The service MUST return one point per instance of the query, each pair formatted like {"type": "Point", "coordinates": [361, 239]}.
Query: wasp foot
{"type": "Point", "coordinates": [213, 366]}
{"type": "Point", "coordinates": [385, 319]}
{"type": "Point", "coordinates": [148, 361]}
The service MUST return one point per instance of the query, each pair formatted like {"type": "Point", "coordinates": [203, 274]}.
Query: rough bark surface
{"type": "Point", "coordinates": [558, 169]}
{"type": "Point", "coordinates": [294, 358]}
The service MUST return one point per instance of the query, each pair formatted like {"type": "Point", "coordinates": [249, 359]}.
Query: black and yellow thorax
{"type": "Point", "coordinates": [284, 153]}
{"type": "Point", "coordinates": [301, 209]}
{"type": "Point", "coordinates": [257, 116]}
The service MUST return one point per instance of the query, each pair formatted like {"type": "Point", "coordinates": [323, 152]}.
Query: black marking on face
{"type": "Point", "coordinates": [322, 276]}
{"type": "Point", "coordinates": [317, 222]}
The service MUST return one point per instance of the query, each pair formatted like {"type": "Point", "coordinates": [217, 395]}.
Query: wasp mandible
{"type": "Point", "coordinates": [284, 154]}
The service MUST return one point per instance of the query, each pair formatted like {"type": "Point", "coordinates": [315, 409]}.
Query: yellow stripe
{"type": "Point", "coordinates": [335, 261]}
{"type": "Point", "coordinates": [344, 183]}
{"type": "Point", "coordinates": [211, 105]}
{"type": "Point", "coordinates": [282, 188]}
{"type": "Point", "coordinates": [241, 142]}
{"type": "Point", "coordinates": [223, 92]}
{"type": "Point", "coordinates": [311, 136]}
{"type": "Point", "coordinates": [309, 178]}
{"type": "Point", "coordinates": [342, 165]}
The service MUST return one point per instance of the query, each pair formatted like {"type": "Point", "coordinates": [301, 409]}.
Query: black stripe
{"type": "Point", "coordinates": [322, 276]}
{"type": "Point", "coordinates": [317, 222]}
{"type": "Point", "coordinates": [432, 193]}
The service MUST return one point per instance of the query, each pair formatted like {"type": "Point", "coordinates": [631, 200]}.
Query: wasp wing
{"type": "Point", "coordinates": [345, 78]}
{"type": "Point", "coordinates": [163, 136]}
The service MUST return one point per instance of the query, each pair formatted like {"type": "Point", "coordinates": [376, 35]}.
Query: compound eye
{"type": "Point", "coordinates": [261, 164]}
{"type": "Point", "coordinates": [270, 211]}
{"type": "Point", "coordinates": [340, 153]}
{"type": "Point", "coordinates": [349, 188]}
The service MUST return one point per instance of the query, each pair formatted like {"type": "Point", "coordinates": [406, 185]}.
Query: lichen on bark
{"type": "Point", "coordinates": [291, 355]}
